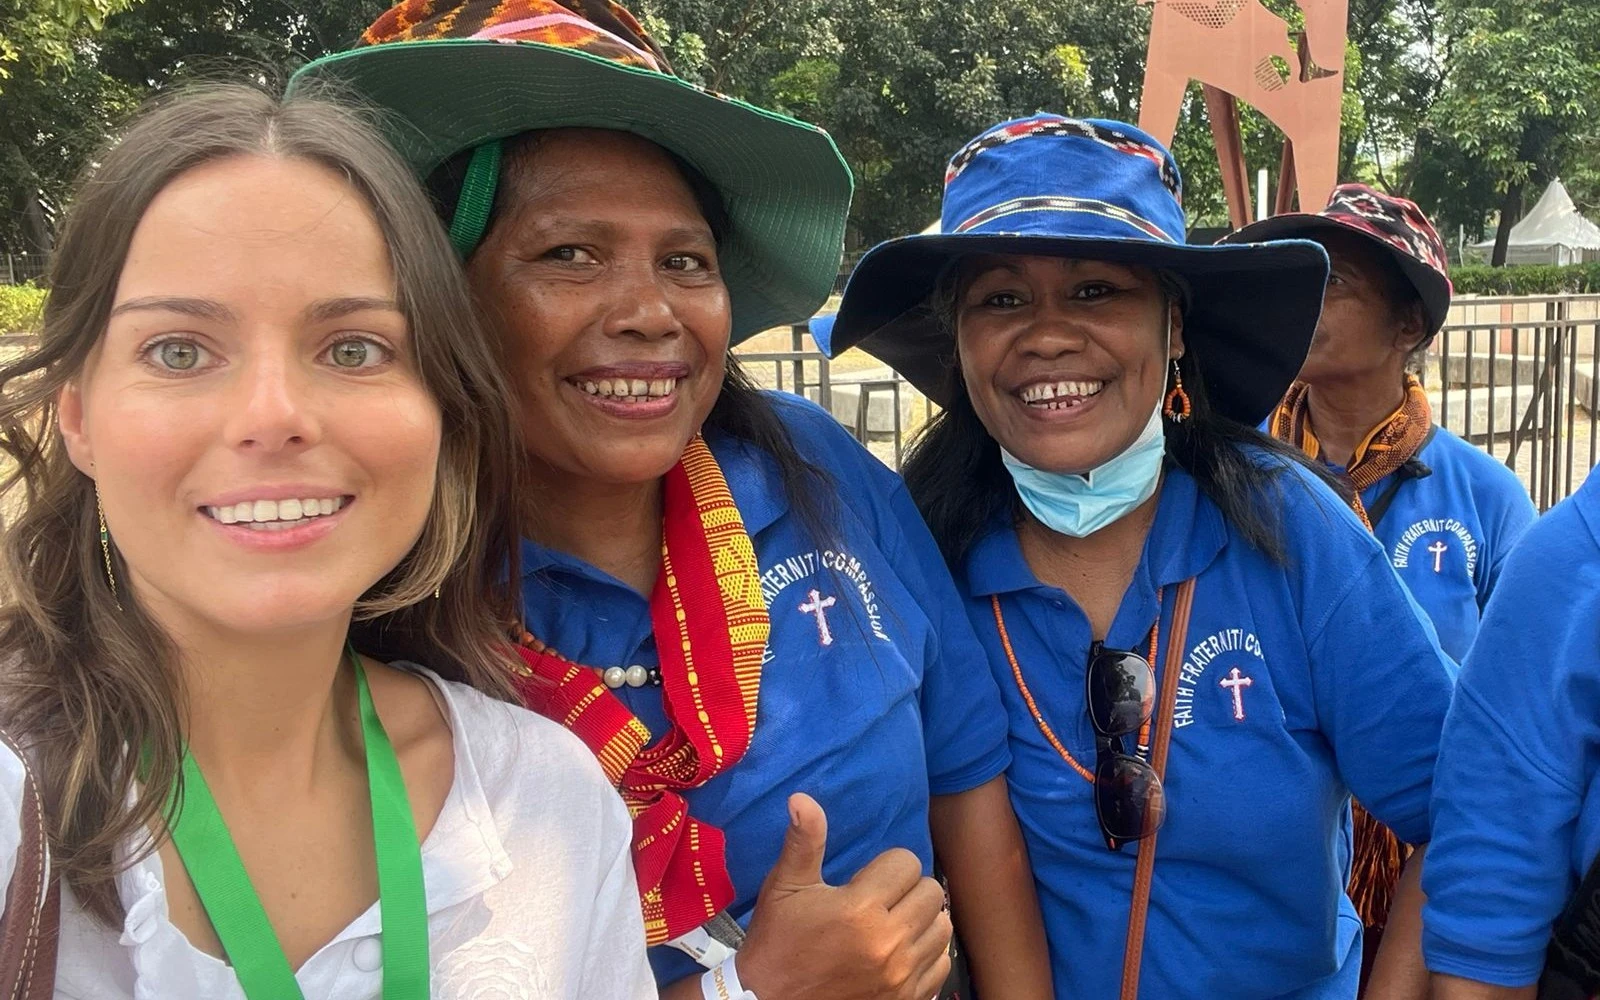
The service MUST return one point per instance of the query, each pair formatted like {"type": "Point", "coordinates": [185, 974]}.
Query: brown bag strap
{"type": "Point", "coordinates": [1144, 869]}
{"type": "Point", "coordinates": [31, 923]}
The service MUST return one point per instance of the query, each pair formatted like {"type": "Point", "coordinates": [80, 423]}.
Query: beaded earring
{"type": "Point", "coordinates": [1177, 407]}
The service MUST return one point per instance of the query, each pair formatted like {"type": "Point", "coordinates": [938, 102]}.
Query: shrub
{"type": "Point", "coordinates": [20, 308]}
{"type": "Point", "coordinates": [1527, 279]}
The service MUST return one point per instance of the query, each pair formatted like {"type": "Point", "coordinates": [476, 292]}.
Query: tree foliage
{"type": "Point", "coordinates": [94, 61]}
{"type": "Point", "coordinates": [1517, 105]}
{"type": "Point", "coordinates": [902, 84]}
{"type": "Point", "coordinates": [1461, 104]}
{"type": "Point", "coordinates": [38, 35]}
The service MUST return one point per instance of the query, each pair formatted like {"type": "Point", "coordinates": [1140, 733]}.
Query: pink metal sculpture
{"type": "Point", "coordinates": [1240, 49]}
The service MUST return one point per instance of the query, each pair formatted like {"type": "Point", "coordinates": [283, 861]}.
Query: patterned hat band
{"type": "Point", "coordinates": [1064, 204]}
{"type": "Point", "coordinates": [532, 27]}
{"type": "Point", "coordinates": [598, 27]}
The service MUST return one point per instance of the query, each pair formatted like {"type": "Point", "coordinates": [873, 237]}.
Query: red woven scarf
{"type": "Point", "coordinates": [711, 626]}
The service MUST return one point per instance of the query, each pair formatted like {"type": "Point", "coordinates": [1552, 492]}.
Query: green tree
{"type": "Point", "coordinates": [62, 104]}
{"type": "Point", "coordinates": [39, 35]}
{"type": "Point", "coordinates": [1517, 102]}
{"type": "Point", "coordinates": [902, 84]}
{"type": "Point", "coordinates": [1399, 73]}
{"type": "Point", "coordinates": [54, 106]}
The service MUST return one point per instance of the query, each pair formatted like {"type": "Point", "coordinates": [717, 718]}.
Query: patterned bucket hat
{"type": "Point", "coordinates": [1096, 190]}
{"type": "Point", "coordinates": [1394, 225]}
{"type": "Point", "coordinates": [464, 75]}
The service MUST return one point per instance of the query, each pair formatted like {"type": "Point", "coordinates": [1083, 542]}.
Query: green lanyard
{"type": "Point", "coordinates": [202, 840]}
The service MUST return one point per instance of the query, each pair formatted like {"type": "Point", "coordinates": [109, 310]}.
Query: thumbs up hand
{"type": "Point", "coordinates": [884, 936]}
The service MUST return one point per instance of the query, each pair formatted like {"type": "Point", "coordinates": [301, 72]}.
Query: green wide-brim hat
{"type": "Point", "coordinates": [454, 77]}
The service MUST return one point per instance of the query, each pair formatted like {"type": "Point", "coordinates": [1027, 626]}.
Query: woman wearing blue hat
{"type": "Point", "coordinates": [729, 599]}
{"type": "Point", "coordinates": [1201, 651]}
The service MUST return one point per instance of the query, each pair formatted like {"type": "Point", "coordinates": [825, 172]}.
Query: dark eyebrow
{"type": "Point", "coordinates": [334, 308]}
{"type": "Point", "coordinates": [691, 234]}
{"type": "Point", "coordinates": [572, 226]}
{"type": "Point", "coordinates": [199, 308]}
{"type": "Point", "coordinates": [983, 268]}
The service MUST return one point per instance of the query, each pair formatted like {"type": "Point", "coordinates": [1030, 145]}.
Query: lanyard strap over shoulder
{"type": "Point", "coordinates": [1144, 869]}
{"type": "Point", "coordinates": [208, 853]}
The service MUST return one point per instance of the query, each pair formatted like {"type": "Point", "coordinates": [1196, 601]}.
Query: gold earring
{"type": "Point", "coordinates": [1177, 407]}
{"type": "Point", "coordinates": [105, 547]}
{"type": "Point", "coordinates": [436, 591]}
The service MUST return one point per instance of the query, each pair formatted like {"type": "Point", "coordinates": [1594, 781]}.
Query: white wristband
{"type": "Point", "coordinates": [699, 945]}
{"type": "Point", "coordinates": [722, 983]}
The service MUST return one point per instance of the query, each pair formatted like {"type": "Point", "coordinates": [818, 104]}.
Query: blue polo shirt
{"type": "Point", "coordinates": [1299, 684]}
{"type": "Point", "coordinates": [1448, 533]}
{"type": "Point", "coordinates": [1516, 802]}
{"type": "Point", "coordinates": [870, 704]}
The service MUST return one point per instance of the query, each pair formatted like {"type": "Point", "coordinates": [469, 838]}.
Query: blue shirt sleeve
{"type": "Point", "coordinates": [1519, 751]}
{"type": "Point", "coordinates": [1381, 682]}
{"type": "Point", "coordinates": [963, 720]}
{"type": "Point", "coordinates": [1516, 513]}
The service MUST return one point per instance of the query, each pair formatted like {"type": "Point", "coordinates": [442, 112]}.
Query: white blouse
{"type": "Point", "coordinates": [530, 887]}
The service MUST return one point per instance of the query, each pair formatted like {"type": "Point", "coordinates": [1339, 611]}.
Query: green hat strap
{"type": "Point", "coordinates": [471, 216]}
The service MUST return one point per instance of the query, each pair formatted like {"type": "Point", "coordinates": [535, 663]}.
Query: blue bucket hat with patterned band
{"type": "Point", "coordinates": [1096, 190]}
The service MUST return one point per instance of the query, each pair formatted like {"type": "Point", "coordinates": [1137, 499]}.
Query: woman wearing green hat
{"type": "Point", "coordinates": [730, 600]}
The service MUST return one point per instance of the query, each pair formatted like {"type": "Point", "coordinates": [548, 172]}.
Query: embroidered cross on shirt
{"type": "Point", "coordinates": [1236, 682]}
{"type": "Point", "coordinates": [1438, 549]}
{"type": "Point", "coordinates": [819, 605]}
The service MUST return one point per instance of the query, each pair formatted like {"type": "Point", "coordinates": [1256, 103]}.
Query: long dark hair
{"type": "Point", "coordinates": [90, 676]}
{"type": "Point", "coordinates": [955, 474]}
{"type": "Point", "coordinates": [742, 409]}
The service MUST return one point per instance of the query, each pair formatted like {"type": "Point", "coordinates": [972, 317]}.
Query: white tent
{"type": "Point", "coordinates": [1552, 233]}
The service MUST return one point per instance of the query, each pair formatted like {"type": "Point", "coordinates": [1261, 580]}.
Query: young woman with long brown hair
{"type": "Point", "coordinates": [260, 452]}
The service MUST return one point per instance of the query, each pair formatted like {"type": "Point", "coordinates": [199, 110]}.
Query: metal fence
{"type": "Point", "coordinates": [19, 268]}
{"type": "Point", "coordinates": [1517, 377]}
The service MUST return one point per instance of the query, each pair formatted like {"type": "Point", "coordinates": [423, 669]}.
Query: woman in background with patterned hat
{"type": "Point", "coordinates": [728, 617]}
{"type": "Point", "coordinates": [1201, 651]}
{"type": "Point", "coordinates": [1447, 513]}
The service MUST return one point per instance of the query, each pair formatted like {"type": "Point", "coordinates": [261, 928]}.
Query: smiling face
{"type": "Point", "coordinates": [1064, 360]}
{"type": "Point", "coordinates": [263, 446]}
{"type": "Point", "coordinates": [602, 274]}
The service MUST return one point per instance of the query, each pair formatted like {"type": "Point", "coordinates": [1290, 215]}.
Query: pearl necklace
{"type": "Point", "coordinates": [635, 676]}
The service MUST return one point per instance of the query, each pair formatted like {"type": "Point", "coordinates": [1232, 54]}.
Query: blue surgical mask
{"type": "Point", "coordinates": [1081, 505]}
